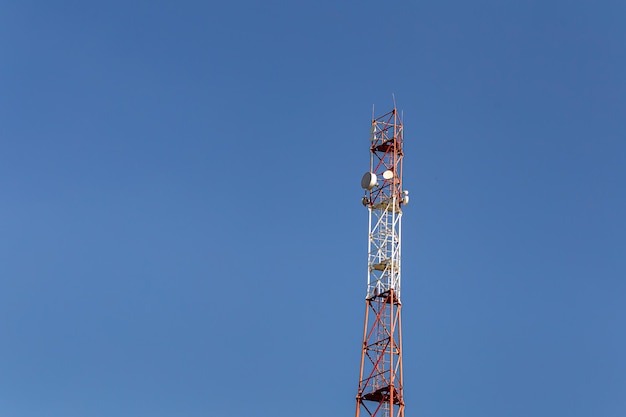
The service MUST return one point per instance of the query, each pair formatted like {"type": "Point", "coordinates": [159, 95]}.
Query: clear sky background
{"type": "Point", "coordinates": [181, 232]}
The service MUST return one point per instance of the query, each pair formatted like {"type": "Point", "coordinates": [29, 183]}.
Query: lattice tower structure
{"type": "Point", "coordinates": [380, 391]}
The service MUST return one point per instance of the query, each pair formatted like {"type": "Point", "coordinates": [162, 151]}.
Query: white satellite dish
{"type": "Point", "coordinates": [388, 175]}
{"type": "Point", "coordinates": [369, 181]}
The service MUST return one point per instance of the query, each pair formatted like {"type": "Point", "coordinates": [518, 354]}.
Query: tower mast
{"type": "Point", "coordinates": [380, 390]}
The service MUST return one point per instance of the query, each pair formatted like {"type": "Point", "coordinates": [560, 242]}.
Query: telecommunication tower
{"type": "Point", "coordinates": [380, 390]}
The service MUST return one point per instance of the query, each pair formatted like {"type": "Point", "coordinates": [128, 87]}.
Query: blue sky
{"type": "Point", "coordinates": [182, 233]}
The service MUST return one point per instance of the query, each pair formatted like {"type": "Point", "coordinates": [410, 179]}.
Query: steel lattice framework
{"type": "Point", "coordinates": [380, 390]}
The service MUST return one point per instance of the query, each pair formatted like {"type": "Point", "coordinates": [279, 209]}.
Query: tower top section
{"type": "Point", "coordinates": [384, 197]}
{"type": "Point", "coordinates": [383, 182]}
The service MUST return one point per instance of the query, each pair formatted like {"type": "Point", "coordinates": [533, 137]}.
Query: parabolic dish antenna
{"type": "Point", "coordinates": [388, 175]}
{"type": "Point", "coordinates": [369, 181]}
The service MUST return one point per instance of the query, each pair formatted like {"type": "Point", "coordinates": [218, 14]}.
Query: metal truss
{"type": "Point", "coordinates": [380, 390]}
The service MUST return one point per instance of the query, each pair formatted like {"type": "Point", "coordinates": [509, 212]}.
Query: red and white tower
{"type": "Point", "coordinates": [380, 390]}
